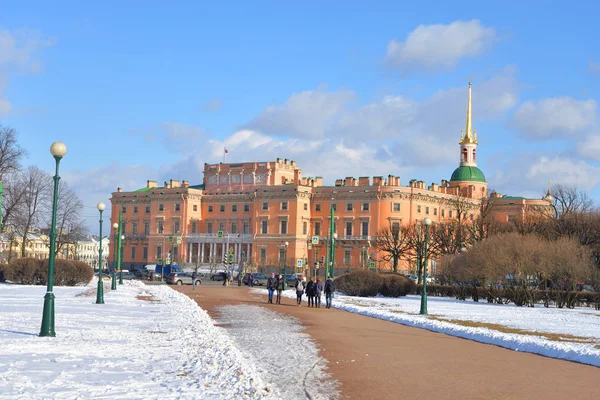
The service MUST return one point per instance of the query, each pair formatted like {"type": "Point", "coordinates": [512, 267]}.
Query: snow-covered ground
{"type": "Point", "coordinates": [128, 348]}
{"type": "Point", "coordinates": [570, 334]}
{"type": "Point", "coordinates": [282, 353]}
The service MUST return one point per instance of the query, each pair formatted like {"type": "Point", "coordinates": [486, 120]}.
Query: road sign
{"type": "Point", "coordinates": [310, 246]}
{"type": "Point", "coordinates": [170, 239]}
{"type": "Point", "coordinates": [372, 264]}
{"type": "Point", "coordinates": [178, 239]}
{"type": "Point", "coordinates": [220, 233]}
{"type": "Point", "coordinates": [299, 263]}
{"type": "Point", "coordinates": [315, 240]}
{"type": "Point", "coordinates": [231, 250]}
{"type": "Point", "coordinates": [231, 258]}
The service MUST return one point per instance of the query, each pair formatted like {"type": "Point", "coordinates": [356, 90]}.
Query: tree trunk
{"type": "Point", "coordinates": [395, 264]}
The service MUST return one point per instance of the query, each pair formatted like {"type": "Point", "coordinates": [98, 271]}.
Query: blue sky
{"type": "Point", "coordinates": [146, 90]}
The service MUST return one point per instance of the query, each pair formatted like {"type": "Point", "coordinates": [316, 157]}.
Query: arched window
{"type": "Point", "coordinates": [464, 154]}
{"type": "Point", "coordinates": [474, 155]}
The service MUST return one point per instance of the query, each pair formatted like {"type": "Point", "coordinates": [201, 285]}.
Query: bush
{"type": "Point", "coordinates": [368, 283]}
{"type": "Point", "coordinates": [394, 285]}
{"type": "Point", "coordinates": [2, 268]}
{"type": "Point", "coordinates": [359, 283]}
{"type": "Point", "coordinates": [30, 271]}
{"type": "Point", "coordinates": [23, 270]}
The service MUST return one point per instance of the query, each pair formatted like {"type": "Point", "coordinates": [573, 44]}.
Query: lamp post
{"type": "Point", "coordinates": [113, 285]}
{"type": "Point", "coordinates": [332, 255]}
{"type": "Point", "coordinates": [58, 151]}
{"type": "Point", "coordinates": [121, 252]}
{"type": "Point", "coordinates": [423, 311]}
{"type": "Point", "coordinates": [332, 237]}
{"type": "Point", "coordinates": [100, 291]}
{"type": "Point", "coordinates": [286, 244]}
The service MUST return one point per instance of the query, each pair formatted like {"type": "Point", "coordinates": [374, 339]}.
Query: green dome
{"type": "Point", "coordinates": [468, 174]}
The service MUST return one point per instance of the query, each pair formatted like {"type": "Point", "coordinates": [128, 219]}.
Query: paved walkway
{"type": "Point", "coordinates": [376, 359]}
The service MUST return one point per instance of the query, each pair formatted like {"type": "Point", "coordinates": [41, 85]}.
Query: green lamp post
{"type": "Point", "coordinates": [332, 237]}
{"type": "Point", "coordinates": [58, 151]}
{"type": "Point", "coordinates": [100, 291]}
{"type": "Point", "coordinates": [423, 311]}
{"type": "Point", "coordinates": [113, 285]}
{"type": "Point", "coordinates": [286, 244]}
{"type": "Point", "coordinates": [121, 252]}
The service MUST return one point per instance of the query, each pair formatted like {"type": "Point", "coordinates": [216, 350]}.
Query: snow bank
{"type": "Point", "coordinates": [159, 348]}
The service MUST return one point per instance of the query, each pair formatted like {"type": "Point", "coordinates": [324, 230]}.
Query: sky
{"type": "Point", "coordinates": [153, 90]}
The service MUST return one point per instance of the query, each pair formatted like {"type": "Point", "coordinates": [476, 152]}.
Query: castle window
{"type": "Point", "coordinates": [474, 155]}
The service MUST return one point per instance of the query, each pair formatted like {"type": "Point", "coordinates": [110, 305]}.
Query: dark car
{"type": "Point", "coordinates": [258, 279]}
{"type": "Point", "coordinates": [140, 273]}
{"type": "Point", "coordinates": [217, 277]}
{"type": "Point", "coordinates": [129, 275]}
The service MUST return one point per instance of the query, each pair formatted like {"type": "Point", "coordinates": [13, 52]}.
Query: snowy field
{"type": "Point", "coordinates": [146, 342]}
{"type": "Point", "coordinates": [559, 333]}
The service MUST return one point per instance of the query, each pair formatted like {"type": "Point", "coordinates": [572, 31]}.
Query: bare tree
{"type": "Point", "coordinates": [569, 199]}
{"type": "Point", "coordinates": [69, 223]}
{"type": "Point", "coordinates": [419, 248]}
{"type": "Point", "coordinates": [12, 199]}
{"type": "Point", "coordinates": [10, 152]}
{"type": "Point", "coordinates": [393, 244]}
{"type": "Point", "coordinates": [461, 206]}
{"type": "Point", "coordinates": [36, 184]}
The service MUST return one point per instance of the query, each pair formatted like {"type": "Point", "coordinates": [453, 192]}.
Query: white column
{"type": "Point", "coordinates": [210, 252]}
{"type": "Point", "coordinates": [200, 259]}
{"type": "Point", "coordinates": [248, 255]}
{"type": "Point", "coordinates": [189, 252]}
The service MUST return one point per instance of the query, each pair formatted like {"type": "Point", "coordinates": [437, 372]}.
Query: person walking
{"type": "Point", "coordinates": [318, 290]}
{"type": "Point", "coordinates": [271, 286]}
{"type": "Point", "coordinates": [279, 288]}
{"type": "Point", "coordinates": [194, 275]}
{"type": "Point", "coordinates": [310, 292]}
{"type": "Point", "coordinates": [224, 275]}
{"type": "Point", "coordinates": [299, 291]}
{"type": "Point", "coordinates": [329, 289]}
{"type": "Point", "coordinates": [250, 279]}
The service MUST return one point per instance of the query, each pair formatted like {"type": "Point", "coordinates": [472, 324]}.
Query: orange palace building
{"type": "Point", "coordinates": [266, 212]}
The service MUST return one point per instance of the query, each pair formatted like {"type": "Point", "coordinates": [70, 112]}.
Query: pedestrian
{"type": "Point", "coordinates": [318, 290]}
{"type": "Point", "coordinates": [228, 278]}
{"type": "Point", "coordinates": [224, 275]}
{"type": "Point", "coordinates": [329, 289]}
{"type": "Point", "coordinates": [279, 288]}
{"type": "Point", "coordinates": [299, 291]}
{"type": "Point", "coordinates": [250, 280]}
{"type": "Point", "coordinates": [194, 275]}
{"type": "Point", "coordinates": [271, 286]}
{"type": "Point", "coordinates": [310, 292]}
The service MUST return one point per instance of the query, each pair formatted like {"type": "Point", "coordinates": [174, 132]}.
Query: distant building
{"type": "Point", "coordinates": [87, 251]}
{"type": "Point", "coordinates": [250, 210]}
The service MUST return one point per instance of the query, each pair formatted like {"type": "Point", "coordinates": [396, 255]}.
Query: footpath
{"type": "Point", "coordinates": [376, 359]}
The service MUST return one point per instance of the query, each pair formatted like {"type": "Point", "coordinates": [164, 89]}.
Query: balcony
{"type": "Point", "coordinates": [213, 237]}
{"type": "Point", "coordinates": [349, 238]}
{"type": "Point", "coordinates": [135, 236]}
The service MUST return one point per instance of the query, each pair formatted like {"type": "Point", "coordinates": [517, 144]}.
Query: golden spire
{"type": "Point", "coordinates": [469, 136]}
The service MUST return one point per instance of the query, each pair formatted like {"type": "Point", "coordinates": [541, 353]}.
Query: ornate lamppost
{"type": "Point", "coordinates": [286, 244]}
{"type": "Point", "coordinates": [423, 311]}
{"type": "Point", "coordinates": [100, 291]}
{"type": "Point", "coordinates": [58, 151]}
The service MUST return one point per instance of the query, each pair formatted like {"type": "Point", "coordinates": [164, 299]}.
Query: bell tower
{"type": "Point", "coordinates": [468, 140]}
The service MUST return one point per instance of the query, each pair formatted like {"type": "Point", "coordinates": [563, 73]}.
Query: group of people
{"type": "Point", "coordinates": [313, 290]}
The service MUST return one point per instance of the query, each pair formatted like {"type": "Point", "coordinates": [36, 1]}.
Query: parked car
{"type": "Point", "coordinates": [141, 273]}
{"type": "Point", "coordinates": [129, 275]}
{"type": "Point", "coordinates": [258, 279]}
{"type": "Point", "coordinates": [217, 277]}
{"type": "Point", "coordinates": [182, 278]}
{"type": "Point", "coordinates": [291, 279]}
{"type": "Point", "coordinates": [105, 275]}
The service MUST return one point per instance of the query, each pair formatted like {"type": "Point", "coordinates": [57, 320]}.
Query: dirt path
{"type": "Point", "coordinates": [376, 359]}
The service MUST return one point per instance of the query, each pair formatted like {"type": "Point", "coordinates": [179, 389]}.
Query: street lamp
{"type": "Point", "coordinates": [113, 285]}
{"type": "Point", "coordinates": [332, 254]}
{"type": "Point", "coordinates": [423, 311]}
{"type": "Point", "coordinates": [121, 258]}
{"type": "Point", "coordinates": [58, 151]}
{"type": "Point", "coordinates": [286, 244]}
{"type": "Point", "coordinates": [100, 291]}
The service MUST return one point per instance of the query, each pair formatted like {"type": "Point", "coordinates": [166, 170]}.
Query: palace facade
{"type": "Point", "coordinates": [267, 213]}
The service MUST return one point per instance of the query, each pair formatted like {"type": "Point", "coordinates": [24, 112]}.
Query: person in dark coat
{"type": "Point", "coordinates": [194, 275]}
{"type": "Point", "coordinates": [250, 280]}
{"type": "Point", "coordinates": [271, 286]}
{"type": "Point", "coordinates": [318, 288]}
{"type": "Point", "coordinates": [329, 289]}
{"type": "Point", "coordinates": [224, 275]}
{"type": "Point", "coordinates": [310, 292]}
{"type": "Point", "coordinates": [279, 288]}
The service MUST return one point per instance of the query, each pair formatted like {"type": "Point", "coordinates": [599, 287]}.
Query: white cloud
{"type": "Point", "coordinates": [439, 47]}
{"type": "Point", "coordinates": [564, 170]}
{"type": "Point", "coordinates": [594, 67]}
{"type": "Point", "coordinates": [18, 51]}
{"type": "Point", "coordinates": [307, 114]}
{"type": "Point", "coordinates": [555, 117]}
{"type": "Point", "coordinates": [590, 147]}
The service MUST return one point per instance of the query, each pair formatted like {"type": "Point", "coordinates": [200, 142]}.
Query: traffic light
{"type": "Point", "coordinates": [322, 259]}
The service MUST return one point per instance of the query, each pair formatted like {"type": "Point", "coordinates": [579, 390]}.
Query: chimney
{"type": "Point", "coordinates": [348, 181]}
{"type": "Point", "coordinates": [303, 181]}
{"type": "Point", "coordinates": [338, 182]}
{"type": "Point", "coordinates": [363, 181]}
{"type": "Point", "coordinates": [185, 184]}
{"type": "Point", "coordinates": [378, 181]}
{"type": "Point", "coordinates": [444, 183]}
{"type": "Point", "coordinates": [434, 187]}
{"type": "Point", "coordinates": [318, 181]}
{"type": "Point", "coordinates": [119, 190]}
